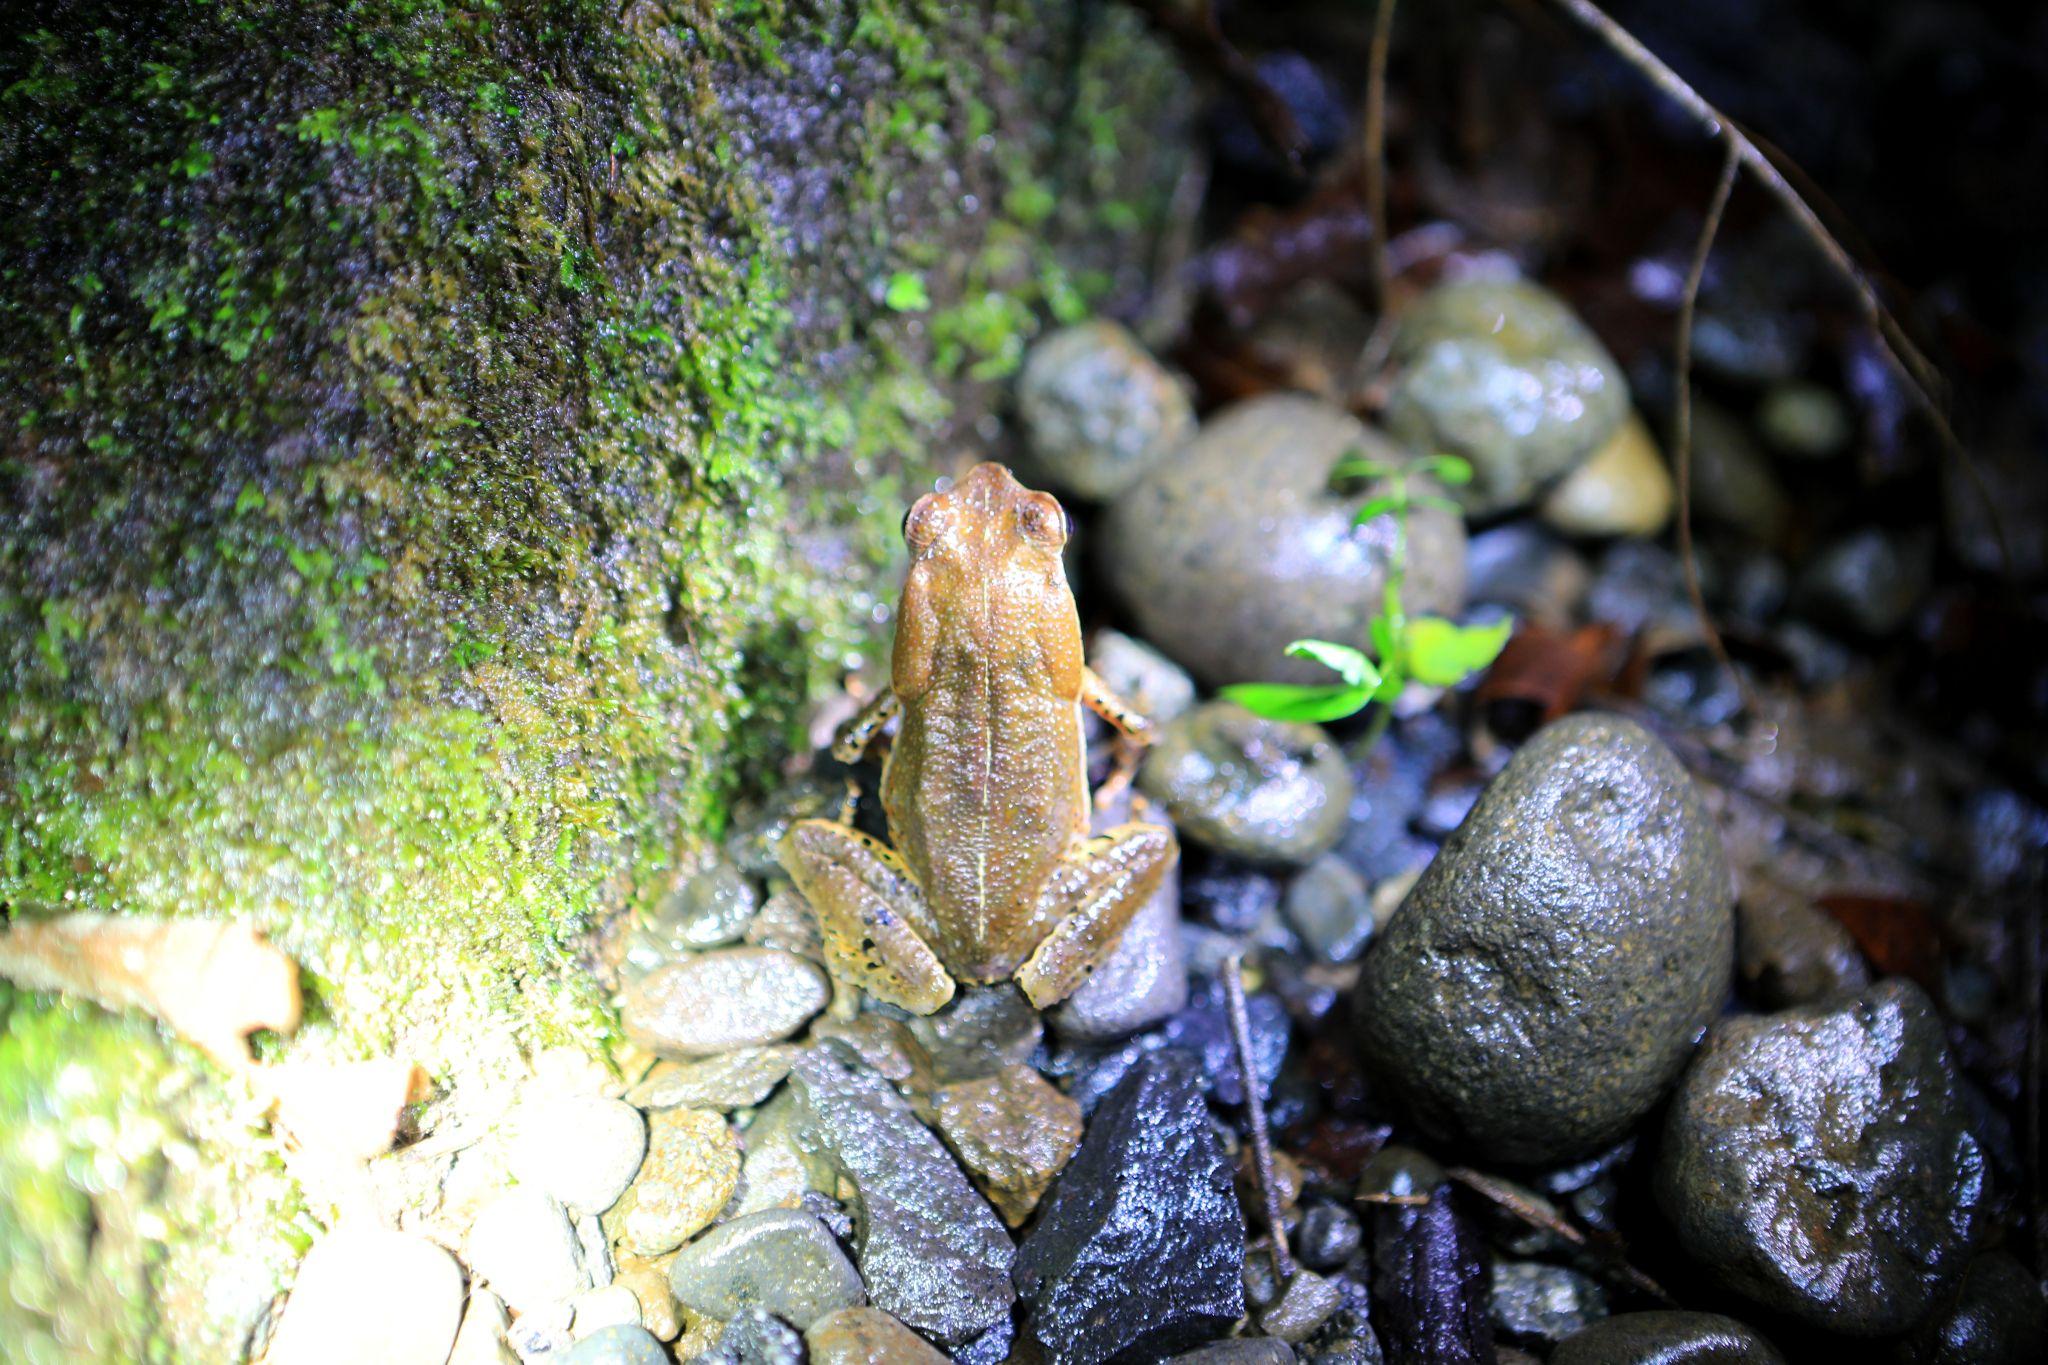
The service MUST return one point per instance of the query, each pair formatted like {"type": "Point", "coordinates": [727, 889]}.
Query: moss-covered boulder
{"type": "Point", "coordinates": [445, 446]}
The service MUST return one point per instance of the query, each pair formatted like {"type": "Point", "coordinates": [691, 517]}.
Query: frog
{"type": "Point", "coordinates": [991, 873]}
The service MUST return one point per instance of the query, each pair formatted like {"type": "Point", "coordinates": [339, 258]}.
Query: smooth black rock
{"type": "Point", "coordinates": [1229, 895]}
{"type": "Point", "coordinates": [1430, 1281]}
{"type": "Point", "coordinates": [1327, 1236]}
{"type": "Point", "coordinates": [1995, 1318]}
{"type": "Point", "coordinates": [1667, 1337]}
{"type": "Point", "coordinates": [930, 1249]}
{"type": "Point", "coordinates": [1543, 983]}
{"type": "Point", "coordinates": [1821, 1161]}
{"type": "Point", "coordinates": [1139, 1248]}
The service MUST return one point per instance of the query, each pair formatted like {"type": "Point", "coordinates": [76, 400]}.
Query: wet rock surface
{"type": "Point", "coordinates": [1237, 545]}
{"type": "Point", "coordinates": [930, 1248]}
{"type": "Point", "coordinates": [1139, 1247]}
{"type": "Point", "coordinates": [1330, 906]}
{"type": "Point", "coordinates": [1159, 688]}
{"type": "Point", "coordinates": [1663, 1336]}
{"type": "Point", "coordinates": [1143, 980]}
{"type": "Point", "coordinates": [1429, 1266]}
{"type": "Point", "coordinates": [1995, 1317]}
{"type": "Point", "coordinates": [1100, 411]}
{"type": "Point", "coordinates": [691, 1171]}
{"type": "Point", "coordinates": [757, 1337]}
{"type": "Point", "coordinates": [782, 1260]}
{"type": "Point", "coordinates": [1534, 1303]}
{"type": "Point", "coordinates": [1502, 373]}
{"type": "Point", "coordinates": [1545, 979]}
{"type": "Point", "coordinates": [1790, 951]}
{"type": "Point", "coordinates": [1013, 1132]}
{"type": "Point", "coordinates": [1263, 790]}
{"type": "Point", "coordinates": [1821, 1161]}
{"type": "Point", "coordinates": [616, 1345]}
{"type": "Point", "coordinates": [726, 1081]}
{"type": "Point", "coordinates": [727, 999]}
{"type": "Point", "coordinates": [1246, 1351]}
{"type": "Point", "coordinates": [867, 1336]}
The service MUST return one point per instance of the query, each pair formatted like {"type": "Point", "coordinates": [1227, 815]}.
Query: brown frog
{"type": "Point", "coordinates": [985, 788]}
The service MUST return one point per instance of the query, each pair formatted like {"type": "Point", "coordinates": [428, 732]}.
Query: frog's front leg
{"type": "Point", "coordinates": [876, 923]}
{"type": "Point", "coordinates": [1091, 893]}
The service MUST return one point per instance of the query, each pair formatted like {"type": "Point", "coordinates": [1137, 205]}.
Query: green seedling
{"type": "Point", "coordinates": [1424, 649]}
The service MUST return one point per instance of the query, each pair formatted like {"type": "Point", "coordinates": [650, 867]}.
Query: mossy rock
{"type": "Point", "coordinates": [430, 427]}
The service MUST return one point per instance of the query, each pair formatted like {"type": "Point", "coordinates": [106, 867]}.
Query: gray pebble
{"type": "Point", "coordinates": [1327, 1236]}
{"type": "Point", "coordinates": [413, 1285]}
{"type": "Point", "coordinates": [1100, 410]}
{"type": "Point", "coordinates": [1868, 581]}
{"type": "Point", "coordinates": [582, 1149]}
{"type": "Point", "coordinates": [1667, 1336]}
{"type": "Point", "coordinates": [728, 1081]}
{"type": "Point", "coordinates": [1265, 790]}
{"type": "Point", "coordinates": [1526, 569]}
{"type": "Point", "coordinates": [1543, 983]}
{"type": "Point", "coordinates": [982, 1030]}
{"type": "Point", "coordinates": [1503, 373]}
{"type": "Point", "coordinates": [1237, 546]}
{"type": "Point", "coordinates": [1534, 1302]}
{"type": "Point", "coordinates": [1821, 1161]}
{"type": "Point", "coordinates": [1143, 980]}
{"type": "Point", "coordinates": [727, 999]}
{"type": "Point", "coordinates": [757, 1337]}
{"type": "Point", "coordinates": [782, 1260]}
{"type": "Point", "coordinates": [622, 1344]}
{"type": "Point", "coordinates": [1329, 906]}
{"type": "Point", "coordinates": [1304, 1305]}
{"type": "Point", "coordinates": [712, 908]}
{"type": "Point", "coordinates": [1243, 1351]}
{"type": "Point", "coordinates": [523, 1244]}
{"type": "Point", "coordinates": [1158, 687]}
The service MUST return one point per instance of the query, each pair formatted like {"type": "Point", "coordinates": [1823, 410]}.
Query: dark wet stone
{"type": "Point", "coordinates": [1790, 951]}
{"type": "Point", "coordinates": [1139, 1249]}
{"type": "Point", "coordinates": [1329, 906]}
{"type": "Point", "coordinates": [1364, 1349]}
{"type": "Point", "coordinates": [1429, 1273]}
{"type": "Point", "coordinates": [1327, 1236]}
{"type": "Point", "coordinates": [1537, 1303]}
{"type": "Point", "coordinates": [1732, 481]}
{"type": "Point", "coordinates": [1243, 1351]}
{"type": "Point", "coordinates": [983, 1030]}
{"type": "Point", "coordinates": [1237, 545]}
{"type": "Point", "coordinates": [782, 1260]}
{"type": "Point", "coordinates": [1013, 1132]}
{"type": "Point", "coordinates": [931, 1249]}
{"type": "Point", "coordinates": [1266, 791]}
{"type": "Point", "coordinates": [755, 1336]}
{"type": "Point", "coordinates": [1388, 788]}
{"type": "Point", "coordinates": [1868, 581]}
{"type": "Point", "coordinates": [1528, 570]}
{"type": "Point", "coordinates": [1316, 102]}
{"type": "Point", "coordinates": [1504, 374]}
{"type": "Point", "coordinates": [1995, 1318]}
{"type": "Point", "coordinates": [1667, 1337]}
{"type": "Point", "coordinates": [1228, 895]}
{"type": "Point", "coordinates": [868, 1336]}
{"type": "Point", "coordinates": [1203, 1031]}
{"type": "Point", "coordinates": [712, 908]}
{"type": "Point", "coordinates": [1101, 412]}
{"type": "Point", "coordinates": [1820, 1161]}
{"type": "Point", "coordinates": [620, 1344]}
{"type": "Point", "coordinates": [991, 1347]}
{"type": "Point", "coordinates": [1544, 981]}
{"type": "Point", "coordinates": [1304, 1305]}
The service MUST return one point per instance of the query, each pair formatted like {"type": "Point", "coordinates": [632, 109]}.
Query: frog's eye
{"type": "Point", "coordinates": [924, 521]}
{"type": "Point", "coordinates": [1045, 521]}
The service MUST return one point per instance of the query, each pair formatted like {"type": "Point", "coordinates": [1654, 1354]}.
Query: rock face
{"type": "Point", "coordinates": [1504, 374]}
{"type": "Point", "coordinates": [1543, 982]}
{"type": "Point", "coordinates": [1237, 546]}
{"type": "Point", "coordinates": [867, 1336]}
{"type": "Point", "coordinates": [1013, 1131]}
{"type": "Point", "coordinates": [931, 1250]}
{"type": "Point", "coordinates": [1140, 1247]}
{"type": "Point", "coordinates": [1821, 1161]}
{"type": "Point", "coordinates": [1100, 410]}
{"type": "Point", "coordinates": [1667, 1335]}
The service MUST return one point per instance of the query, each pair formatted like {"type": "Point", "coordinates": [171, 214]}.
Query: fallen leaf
{"type": "Point", "coordinates": [1894, 932]}
{"type": "Point", "coordinates": [1548, 673]}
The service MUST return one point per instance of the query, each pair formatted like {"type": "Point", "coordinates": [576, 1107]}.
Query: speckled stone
{"type": "Point", "coordinates": [1503, 373]}
{"type": "Point", "coordinates": [1544, 981]}
{"type": "Point", "coordinates": [1237, 545]}
{"type": "Point", "coordinates": [724, 1082]}
{"type": "Point", "coordinates": [371, 1294]}
{"type": "Point", "coordinates": [783, 1260]}
{"type": "Point", "coordinates": [724, 1000]}
{"type": "Point", "coordinates": [1013, 1132]}
{"type": "Point", "coordinates": [1329, 906]}
{"type": "Point", "coordinates": [1667, 1337]}
{"type": "Point", "coordinates": [582, 1149]}
{"type": "Point", "coordinates": [1302, 1307]}
{"type": "Point", "coordinates": [1821, 1161]}
{"type": "Point", "coordinates": [867, 1336]}
{"type": "Point", "coordinates": [1538, 1303]}
{"type": "Point", "coordinates": [931, 1249]}
{"type": "Point", "coordinates": [757, 1337]}
{"type": "Point", "coordinates": [1269, 791]}
{"type": "Point", "coordinates": [1099, 409]}
{"type": "Point", "coordinates": [691, 1171]}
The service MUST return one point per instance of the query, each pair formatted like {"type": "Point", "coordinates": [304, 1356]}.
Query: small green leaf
{"type": "Point", "coordinates": [1287, 701]}
{"type": "Point", "coordinates": [906, 292]}
{"type": "Point", "coordinates": [1374, 508]}
{"type": "Point", "coordinates": [1449, 468]}
{"type": "Point", "coordinates": [1440, 504]}
{"type": "Point", "coordinates": [1443, 653]}
{"type": "Point", "coordinates": [1386, 643]}
{"type": "Point", "coordinates": [1360, 469]}
{"type": "Point", "coordinates": [1350, 664]}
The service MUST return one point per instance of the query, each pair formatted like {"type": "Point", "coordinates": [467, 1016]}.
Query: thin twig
{"type": "Point", "coordinates": [1922, 378]}
{"type": "Point", "coordinates": [1255, 1105]}
{"type": "Point", "coordinates": [1376, 152]}
{"type": "Point", "coordinates": [1682, 437]}
{"type": "Point", "coordinates": [1607, 1249]}
{"type": "Point", "coordinates": [1407, 1200]}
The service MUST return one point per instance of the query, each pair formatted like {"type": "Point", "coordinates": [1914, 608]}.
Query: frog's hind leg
{"type": "Point", "coordinates": [1092, 893]}
{"type": "Point", "coordinates": [871, 912]}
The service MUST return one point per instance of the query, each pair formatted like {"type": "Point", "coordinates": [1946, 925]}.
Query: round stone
{"type": "Point", "coordinates": [1821, 1161]}
{"type": "Point", "coordinates": [1271, 791]}
{"type": "Point", "coordinates": [1995, 1318]}
{"type": "Point", "coordinates": [867, 1336]}
{"type": "Point", "coordinates": [691, 1171]}
{"type": "Point", "coordinates": [1623, 488]}
{"type": "Point", "coordinates": [1544, 981]}
{"type": "Point", "coordinates": [1100, 410]}
{"type": "Point", "coordinates": [1330, 907]}
{"type": "Point", "coordinates": [1503, 373]}
{"type": "Point", "coordinates": [1667, 1337]}
{"type": "Point", "coordinates": [582, 1149]}
{"type": "Point", "coordinates": [371, 1294]}
{"type": "Point", "coordinates": [722, 1001]}
{"type": "Point", "coordinates": [1238, 546]}
{"type": "Point", "coordinates": [619, 1344]}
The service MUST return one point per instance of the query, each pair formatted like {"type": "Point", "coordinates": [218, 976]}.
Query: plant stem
{"type": "Point", "coordinates": [1255, 1107]}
